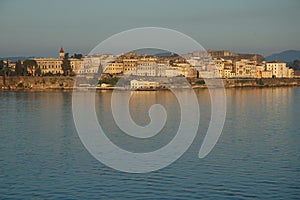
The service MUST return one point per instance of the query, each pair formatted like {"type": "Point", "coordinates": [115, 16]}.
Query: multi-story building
{"type": "Point", "coordinates": [167, 71]}
{"type": "Point", "coordinates": [49, 65]}
{"type": "Point", "coordinates": [129, 63]}
{"type": "Point", "coordinates": [146, 69]}
{"type": "Point", "coordinates": [218, 53]}
{"type": "Point", "coordinates": [93, 64]}
{"type": "Point", "coordinates": [259, 69]}
{"type": "Point", "coordinates": [219, 67]}
{"type": "Point", "coordinates": [90, 65]}
{"type": "Point", "coordinates": [76, 64]}
{"type": "Point", "coordinates": [245, 68]}
{"type": "Point", "coordinates": [266, 74]}
{"type": "Point", "coordinates": [279, 69]}
{"type": "Point", "coordinates": [115, 67]}
{"type": "Point", "coordinates": [53, 65]}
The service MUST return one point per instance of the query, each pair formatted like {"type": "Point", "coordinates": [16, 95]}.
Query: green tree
{"type": "Point", "coordinates": [66, 66]}
{"type": "Point", "coordinates": [6, 71]}
{"type": "Point", "coordinates": [296, 65]}
{"type": "Point", "coordinates": [1, 65]}
{"type": "Point", "coordinates": [30, 67]}
{"type": "Point", "coordinates": [38, 71]}
{"type": "Point", "coordinates": [20, 70]}
{"type": "Point", "coordinates": [78, 56]}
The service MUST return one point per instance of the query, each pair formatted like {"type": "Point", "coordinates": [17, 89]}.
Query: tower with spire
{"type": "Point", "coordinates": [61, 53]}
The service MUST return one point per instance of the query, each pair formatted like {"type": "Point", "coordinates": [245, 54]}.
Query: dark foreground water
{"type": "Point", "coordinates": [257, 155]}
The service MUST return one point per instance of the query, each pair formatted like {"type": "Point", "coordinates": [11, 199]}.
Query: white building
{"type": "Point", "coordinates": [146, 69]}
{"type": "Point", "coordinates": [92, 64]}
{"type": "Point", "coordinates": [136, 84]}
{"type": "Point", "coordinates": [279, 69]}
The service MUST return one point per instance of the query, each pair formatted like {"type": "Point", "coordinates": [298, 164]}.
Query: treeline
{"type": "Point", "coordinates": [295, 65]}
{"type": "Point", "coordinates": [21, 68]}
{"type": "Point", "coordinates": [30, 67]}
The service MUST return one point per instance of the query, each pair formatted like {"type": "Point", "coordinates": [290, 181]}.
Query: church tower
{"type": "Point", "coordinates": [61, 53]}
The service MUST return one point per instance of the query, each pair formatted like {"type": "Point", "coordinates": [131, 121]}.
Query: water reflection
{"type": "Point", "coordinates": [257, 155]}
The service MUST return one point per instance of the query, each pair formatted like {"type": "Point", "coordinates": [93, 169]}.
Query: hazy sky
{"type": "Point", "coordinates": [40, 28]}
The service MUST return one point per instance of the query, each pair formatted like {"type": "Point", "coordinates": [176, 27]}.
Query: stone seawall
{"type": "Point", "coordinates": [66, 83]}
{"type": "Point", "coordinates": [36, 83]}
{"type": "Point", "coordinates": [261, 82]}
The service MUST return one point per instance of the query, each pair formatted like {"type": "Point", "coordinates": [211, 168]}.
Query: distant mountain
{"type": "Point", "coordinates": [286, 56]}
{"type": "Point", "coordinates": [167, 54]}
{"type": "Point", "coordinates": [149, 51]}
{"type": "Point", "coordinates": [14, 59]}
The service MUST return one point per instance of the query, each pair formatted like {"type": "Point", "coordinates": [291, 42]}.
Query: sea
{"type": "Point", "coordinates": [257, 155]}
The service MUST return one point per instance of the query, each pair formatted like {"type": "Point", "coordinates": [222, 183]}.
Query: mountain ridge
{"type": "Point", "coordinates": [285, 56]}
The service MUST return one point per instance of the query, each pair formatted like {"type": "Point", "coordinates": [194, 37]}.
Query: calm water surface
{"type": "Point", "coordinates": [257, 155]}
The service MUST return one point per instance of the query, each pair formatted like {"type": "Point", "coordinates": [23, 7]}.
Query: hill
{"type": "Point", "coordinates": [14, 59]}
{"type": "Point", "coordinates": [286, 56]}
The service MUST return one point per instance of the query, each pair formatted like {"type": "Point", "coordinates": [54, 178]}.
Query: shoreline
{"type": "Point", "coordinates": [48, 84]}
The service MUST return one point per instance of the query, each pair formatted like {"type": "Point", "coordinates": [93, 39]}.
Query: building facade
{"type": "Point", "coordinates": [53, 65]}
{"type": "Point", "coordinates": [279, 69]}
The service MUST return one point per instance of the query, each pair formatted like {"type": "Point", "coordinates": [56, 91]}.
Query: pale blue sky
{"type": "Point", "coordinates": [40, 27]}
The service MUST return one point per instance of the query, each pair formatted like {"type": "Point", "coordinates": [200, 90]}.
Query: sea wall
{"type": "Point", "coordinates": [66, 83]}
{"type": "Point", "coordinates": [36, 83]}
{"type": "Point", "coordinates": [261, 82]}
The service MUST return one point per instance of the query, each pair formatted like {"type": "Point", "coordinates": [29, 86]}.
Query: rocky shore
{"type": "Point", "coordinates": [29, 83]}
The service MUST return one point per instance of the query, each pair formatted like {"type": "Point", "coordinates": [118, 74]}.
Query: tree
{"type": "Point", "coordinates": [38, 71]}
{"type": "Point", "coordinates": [30, 67]}
{"type": "Point", "coordinates": [1, 65]}
{"type": "Point", "coordinates": [6, 70]}
{"type": "Point", "coordinates": [66, 66]}
{"type": "Point", "coordinates": [20, 70]}
{"type": "Point", "coordinates": [78, 56]}
{"type": "Point", "coordinates": [296, 65]}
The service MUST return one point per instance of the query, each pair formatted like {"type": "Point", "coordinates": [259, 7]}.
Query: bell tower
{"type": "Point", "coordinates": [61, 53]}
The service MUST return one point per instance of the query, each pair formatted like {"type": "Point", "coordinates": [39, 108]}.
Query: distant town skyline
{"type": "Point", "coordinates": [38, 28]}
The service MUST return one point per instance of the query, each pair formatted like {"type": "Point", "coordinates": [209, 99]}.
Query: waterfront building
{"type": "Point", "coordinates": [97, 63]}
{"type": "Point", "coordinates": [259, 69]}
{"type": "Point", "coordinates": [53, 65]}
{"type": "Point", "coordinates": [266, 74]}
{"type": "Point", "coordinates": [76, 64]}
{"type": "Point", "coordinates": [142, 84]}
{"type": "Point", "coordinates": [49, 65]}
{"type": "Point", "coordinates": [245, 68]}
{"type": "Point", "coordinates": [279, 69]}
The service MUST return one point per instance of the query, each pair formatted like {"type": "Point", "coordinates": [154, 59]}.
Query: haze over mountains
{"type": "Point", "coordinates": [285, 56]}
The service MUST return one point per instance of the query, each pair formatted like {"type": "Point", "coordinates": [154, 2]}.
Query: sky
{"type": "Point", "coordinates": [39, 27]}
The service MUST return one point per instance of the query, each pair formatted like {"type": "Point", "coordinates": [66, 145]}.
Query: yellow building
{"type": "Point", "coordinates": [245, 68]}
{"type": "Point", "coordinates": [266, 74]}
{"type": "Point", "coordinates": [49, 65]}
{"type": "Point", "coordinates": [76, 64]}
{"type": "Point", "coordinates": [129, 62]}
{"type": "Point", "coordinates": [114, 68]}
{"type": "Point", "coordinates": [259, 70]}
{"type": "Point", "coordinates": [53, 65]}
{"type": "Point", "coordinates": [218, 53]}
